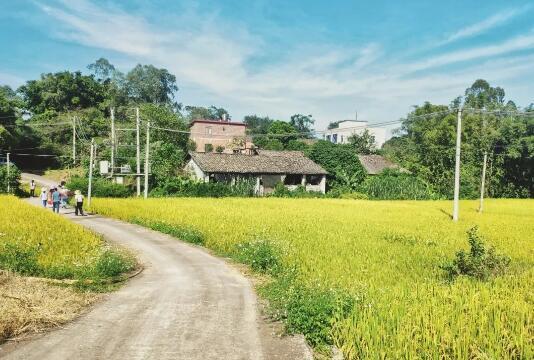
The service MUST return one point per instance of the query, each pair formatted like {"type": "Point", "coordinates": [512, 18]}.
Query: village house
{"type": "Point", "coordinates": [346, 128]}
{"type": "Point", "coordinates": [375, 164]}
{"type": "Point", "coordinates": [219, 135]}
{"type": "Point", "coordinates": [266, 168]}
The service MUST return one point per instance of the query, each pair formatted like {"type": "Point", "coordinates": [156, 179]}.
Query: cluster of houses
{"type": "Point", "coordinates": [224, 153]}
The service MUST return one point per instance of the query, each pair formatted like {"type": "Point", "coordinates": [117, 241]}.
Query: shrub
{"type": "Point", "coordinates": [260, 255]}
{"type": "Point", "coordinates": [113, 263]}
{"type": "Point", "coordinates": [480, 262]}
{"type": "Point", "coordinates": [188, 187]}
{"type": "Point", "coordinates": [394, 185]}
{"type": "Point", "coordinates": [20, 260]}
{"type": "Point", "coordinates": [219, 149]}
{"type": "Point", "coordinates": [100, 187]}
{"type": "Point", "coordinates": [14, 179]}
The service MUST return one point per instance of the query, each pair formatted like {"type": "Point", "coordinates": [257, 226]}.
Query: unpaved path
{"type": "Point", "coordinates": [186, 304]}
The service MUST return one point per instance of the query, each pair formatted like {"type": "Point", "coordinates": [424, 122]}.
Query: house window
{"type": "Point", "coordinates": [328, 138]}
{"type": "Point", "coordinates": [341, 139]}
{"type": "Point", "coordinates": [314, 179]}
{"type": "Point", "coordinates": [208, 130]}
{"type": "Point", "coordinates": [334, 138]}
{"type": "Point", "coordinates": [293, 179]}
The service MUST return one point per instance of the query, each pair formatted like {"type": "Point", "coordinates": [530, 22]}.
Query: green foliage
{"type": "Point", "coordinates": [280, 190]}
{"type": "Point", "coordinates": [112, 263]}
{"type": "Point", "coordinates": [341, 162]}
{"type": "Point", "coordinates": [308, 310]}
{"type": "Point", "coordinates": [20, 260]}
{"type": "Point", "coordinates": [184, 233]}
{"type": "Point", "coordinates": [260, 254]}
{"type": "Point", "coordinates": [191, 188]}
{"type": "Point", "coordinates": [219, 149]}
{"type": "Point", "coordinates": [206, 113]}
{"type": "Point", "coordinates": [14, 179]}
{"type": "Point", "coordinates": [354, 196]}
{"type": "Point", "coordinates": [394, 185]}
{"type": "Point", "coordinates": [208, 148]}
{"type": "Point", "coordinates": [100, 187]}
{"type": "Point", "coordinates": [364, 143]}
{"type": "Point", "coordinates": [303, 124]}
{"type": "Point", "coordinates": [148, 84]}
{"type": "Point", "coordinates": [481, 262]}
{"type": "Point", "coordinates": [257, 124]}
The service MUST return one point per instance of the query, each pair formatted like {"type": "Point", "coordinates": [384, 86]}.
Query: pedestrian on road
{"type": "Point", "coordinates": [44, 196]}
{"type": "Point", "coordinates": [64, 197]}
{"type": "Point", "coordinates": [32, 188]}
{"type": "Point", "coordinates": [56, 199]}
{"type": "Point", "coordinates": [78, 198]}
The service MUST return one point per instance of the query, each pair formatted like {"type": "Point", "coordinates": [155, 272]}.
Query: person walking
{"type": "Point", "coordinates": [32, 188]}
{"type": "Point", "coordinates": [78, 198]}
{"type": "Point", "coordinates": [44, 196]}
{"type": "Point", "coordinates": [56, 199]}
{"type": "Point", "coordinates": [64, 197]}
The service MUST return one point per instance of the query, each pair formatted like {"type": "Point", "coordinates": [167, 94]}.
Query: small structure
{"type": "Point", "coordinates": [375, 164]}
{"type": "Point", "coordinates": [219, 136]}
{"type": "Point", "coordinates": [266, 167]}
{"type": "Point", "coordinates": [346, 128]}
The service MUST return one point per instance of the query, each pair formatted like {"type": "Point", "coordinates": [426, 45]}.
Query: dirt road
{"type": "Point", "coordinates": [186, 304]}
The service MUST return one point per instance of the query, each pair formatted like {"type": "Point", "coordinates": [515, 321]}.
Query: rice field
{"type": "Point", "coordinates": [37, 242]}
{"type": "Point", "coordinates": [386, 255]}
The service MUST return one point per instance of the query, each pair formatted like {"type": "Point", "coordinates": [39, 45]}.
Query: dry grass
{"type": "Point", "coordinates": [30, 305]}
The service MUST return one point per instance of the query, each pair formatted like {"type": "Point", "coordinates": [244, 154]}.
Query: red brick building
{"type": "Point", "coordinates": [214, 136]}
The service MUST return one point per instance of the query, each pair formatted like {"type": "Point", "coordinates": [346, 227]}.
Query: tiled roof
{"type": "Point", "coordinates": [375, 164]}
{"type": "Point", "coordinates": [265, 162]}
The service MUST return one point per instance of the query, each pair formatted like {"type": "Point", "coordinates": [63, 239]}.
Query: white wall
{"type": "Point", "coordinates": [346, 129]}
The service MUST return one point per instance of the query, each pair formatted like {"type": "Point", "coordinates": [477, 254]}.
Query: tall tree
{"type": "Point", "coordinates": [257, 124]}
{"type": "Point", "coordinates": [148, 84]}
{"type": "Point", "coordinates": [364, 143]}
{"type": "Point", "coordinates": [303, 124]}
{"type": "Point", "coordinates": [206, 113]}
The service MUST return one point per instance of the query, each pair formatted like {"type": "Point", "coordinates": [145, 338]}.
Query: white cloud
{"type": "Point", "coordinates": [212, 61]}
{"type": "Point", "coordinates": [485, 25]}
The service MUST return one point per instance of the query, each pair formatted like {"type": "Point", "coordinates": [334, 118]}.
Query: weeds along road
{"type": "Point", "coordinates": [186, 304]}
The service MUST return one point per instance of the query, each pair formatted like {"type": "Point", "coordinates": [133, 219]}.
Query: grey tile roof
{"type": "Point", "coordinates": [375, 164]}
{"type": "Point", "coordinates": [265, 162]}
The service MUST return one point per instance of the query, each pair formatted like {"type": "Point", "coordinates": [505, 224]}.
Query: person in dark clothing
{"type": "Point", "coordinates": [32, 188]}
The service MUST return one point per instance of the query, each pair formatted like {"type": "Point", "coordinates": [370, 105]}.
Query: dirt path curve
{"type": "Point", "coordinates": [186, 304]}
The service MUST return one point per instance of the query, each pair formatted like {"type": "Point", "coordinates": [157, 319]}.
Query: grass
{"type": "Point", "coordinates": [38, 243]}
{"type": "Point", "coordinates": [63, 174]}
{"type": "Point", "coordinates": [367, 275]}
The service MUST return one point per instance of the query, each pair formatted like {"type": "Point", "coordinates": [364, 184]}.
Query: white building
{"type": "Point", "coordinates": [347, 128]}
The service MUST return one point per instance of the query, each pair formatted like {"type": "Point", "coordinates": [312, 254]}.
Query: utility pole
{"type": "Point", "coordinates": [90, 172]}
{"type": "Point", "coordinates": [147, 154]}
{"type": "Point", "coordinates": [112, 141]}
{"type": "Point", "coordinates": [8, 166]}
{"type": "Point", "coordinates": [74, 140]}
{"type": "Point", "coordinates": [138, 153]}
{"type": "Point", "coordinates": [483, 182]}
{"type": "Point", "coordinates": [457, 167]}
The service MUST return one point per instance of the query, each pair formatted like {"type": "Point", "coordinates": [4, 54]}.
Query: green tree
{"type": "Point", "coordinates": [62, 91]}
{"type": "Point", "coordinates": [257, 124]}
{"type": "Point", "coordinates": [206, 113]}
{"type": "Point", "coordinates": [303, 124]}
{"type": "Point", "coordinates": [148, 84]}
{"type": "Point", "coordinates": [364, 143]}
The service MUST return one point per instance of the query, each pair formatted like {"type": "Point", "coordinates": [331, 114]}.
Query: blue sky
{"type": "Point", "coordinates": [277, 58]}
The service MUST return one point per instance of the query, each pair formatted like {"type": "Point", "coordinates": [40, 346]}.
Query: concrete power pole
{"type": "Point", "coordinates": [138, 153]}
{"type": "Point", "coordinates": [147, 154]}
{"type": "Point", "coordinates": [457, 167]}
{"type": "Point", "coordinates": [74, 140]}
{"type": "Point", "coordinates": [91, 159]}
{"type": "Point", "coordinates": [112, 141]}
{"type": "Point", "coordinates": [8, 168]}
{"type": "Point", "coordinates": [483, 182]}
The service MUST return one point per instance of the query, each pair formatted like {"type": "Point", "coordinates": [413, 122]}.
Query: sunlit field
{"type": "Point", "coordinates": [387, 256]}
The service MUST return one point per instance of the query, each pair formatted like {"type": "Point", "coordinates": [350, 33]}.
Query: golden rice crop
{"type": "Point", "coordinates": [61, 243]}
{"type": "Point", "coordinates": [386, 254]}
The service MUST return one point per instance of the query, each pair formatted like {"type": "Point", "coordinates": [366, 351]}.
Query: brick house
{"type": "Point", "coordinates": [212, 135]}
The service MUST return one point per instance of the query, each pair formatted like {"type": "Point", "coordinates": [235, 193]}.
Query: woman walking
{"type": "Point", "coordinates": [44, 196]}
{"type": "Point", "coordinates": [78, 198]}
